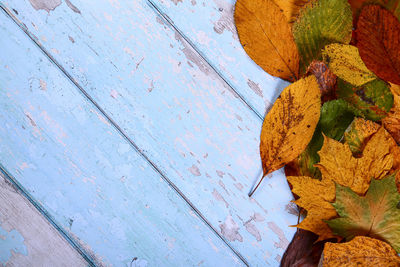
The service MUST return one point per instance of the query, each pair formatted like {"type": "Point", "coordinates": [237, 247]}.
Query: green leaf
{"type": "Point", "coordinates": [321, 23]}
{"type": "Point", "coordinates": [336, 116]}
{"type": "Point", "coordinates": [372, 100]}
{"type": "Point", "coordinates": [375, 215]}
{"type": "Point", "coordinates": [358, 133]}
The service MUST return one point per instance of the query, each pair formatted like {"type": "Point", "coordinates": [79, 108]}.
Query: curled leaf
{"type": "Point", "coordinates": [326, 79]}
{"type": "Point", "coordinates": [375, 214]}
{"type": "Point", "coordinates": [267, 37]}
{"type": "Point", "coordinates": [378, 39]}
{"type": "Point", "coordinates": [346, 63]}
{"type": "Point", "coordinates": [290, 124]}
{"type": "Point", "coordinates": [321, 23]}
{"type": "Point", "coordinates": [361, 251]}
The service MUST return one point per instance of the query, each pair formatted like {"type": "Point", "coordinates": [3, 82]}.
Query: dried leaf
{"type": "Point", "coordinates": [291, 8]}
{"type": "Point", "coordinates": [267, 37]}
{"type": "Point", "coordinates": [346, 63]}
{"type": "Point", "coordinates": [321, 23]}
{"type": "Point", "coordinates": [392, 121]}
{"type": "Point", "coordinates": [361, 251]}
{"type": "Point", "coordinates": [315, 197]}
{"type": "Point", "coordinates": [391, 5]}
{"type": "Point", "coordinates": [302, 250]}
{"type": "Point", "coordinates": [336, 116]}
{"type": "Point", "coordinates": [378, 39]}
{"type": "Point", "coordinates": [375, 214]}
{"type": "Point", "coordinates": [358, 133]}
{"type": "Point", "coordinates": [290, 124]}
{"type": "Point", "coordinates": [372, 100]}
{"type": "Point", "coordinates": [338, 164]}
{"type": "Point", "coordinates": [326, 79]}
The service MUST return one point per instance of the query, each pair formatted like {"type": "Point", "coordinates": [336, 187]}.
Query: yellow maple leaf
{"type": "Point", "coordinates": [338, 165]}
{"type": "Point", "coordinates": [361, 251]}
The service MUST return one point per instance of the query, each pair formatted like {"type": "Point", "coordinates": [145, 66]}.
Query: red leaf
{"type": "Point", "coordinates": [378, 40]}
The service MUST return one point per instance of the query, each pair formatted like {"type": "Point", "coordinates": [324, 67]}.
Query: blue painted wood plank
{"type": "Point", "coordinates": [209, 27]}
{"type": "Point", "coordinates": [177, 110]}
{"type": "Point", "coordinates": [85, 174]}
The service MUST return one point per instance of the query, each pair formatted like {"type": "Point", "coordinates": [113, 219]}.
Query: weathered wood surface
{"type": "Point", "coordinates": [209, 26]}
{"type": "Point", "coordinates": [100, 190]}
{"type": "Point", "coordinates": [26, 237]}
{"type": "Point", "coordinates": [176, 109]}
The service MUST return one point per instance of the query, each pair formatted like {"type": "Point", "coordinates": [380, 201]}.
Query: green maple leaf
{"type": "Point", "coordinates": [376, 214]}
{"type": "Point", "coordinates": [321, 23]}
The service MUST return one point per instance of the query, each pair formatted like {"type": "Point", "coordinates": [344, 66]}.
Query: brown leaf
{"type": "Point", "coordinates": [361, 251]}
{"type": "Point", "coordinates": [392, 121]}
{"type": "Point", "coordinates": [378, 40]}
{"type": "Point", "coordinates": [326, 79]}
{"type": "Point", "coordinates": [267, 37]}
{"type": "Point", "coordinates": [291, 8]}
{"type": "Point", "coordinates": [303, 251]}
{"type": "Point", "coordinates": [290, 124]}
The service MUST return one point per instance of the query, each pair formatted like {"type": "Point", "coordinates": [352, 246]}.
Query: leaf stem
{"type": "Point", "coordinates": [254, 190]}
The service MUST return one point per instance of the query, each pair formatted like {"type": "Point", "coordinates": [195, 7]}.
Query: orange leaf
{"type": "Point", "coordinates": [378, 40]}
{"type": "Point", "coordinates": [392, 120]}
{"type": "Point", "coordinates": [267, 37]}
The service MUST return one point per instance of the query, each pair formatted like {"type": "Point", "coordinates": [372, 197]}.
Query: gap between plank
{"type": "Point", "coordinates": [47, 216]}
{"type": "Point", "coordinates": [119, 130]}
{"type": "Point", "coordinates": [165, 17]}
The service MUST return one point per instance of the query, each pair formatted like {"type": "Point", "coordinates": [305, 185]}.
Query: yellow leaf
{"type": "Point", "coordinates": [346, 63]}
{"type": "Point", "coordinates": [315, 197]}
{"type": "Point", "coordinates": [290, 124]}
{"type": "Point", "coordinates": [291, 8]}
{"type": "Point", "coordinates": [267, 37]}
{"type": "Point", "coordinates": [392, 120]}
{"type": "Point", "coordinates": [361, 251]}
{"type": "Point", "coordinates": [338, 164]}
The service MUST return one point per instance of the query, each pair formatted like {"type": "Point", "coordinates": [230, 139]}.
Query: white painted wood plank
{"type": "Point", "coordinates": [26, 236]}
{"type": "Point", "coordinates": [209, 26]}
{"type": "Point", "coordinates": [103, 194]}
{"type": "Point", "coordinates": [177, 110]}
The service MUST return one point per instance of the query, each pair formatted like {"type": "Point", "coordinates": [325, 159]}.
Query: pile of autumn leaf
{"type": "Point", "coordinates": [337, 126]}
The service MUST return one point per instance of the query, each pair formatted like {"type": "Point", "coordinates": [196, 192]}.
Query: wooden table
{"type": "Point", "coordinates": [129, 137]}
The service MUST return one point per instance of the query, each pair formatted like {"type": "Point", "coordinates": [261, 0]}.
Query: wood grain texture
{"type": "Point", "coordinates": [209, 26]}
{"type": "Point", "coordinates": [177, 110]}
{"type": "Point", "coordinates": [65, 154]}
{"type": "Point", "coordinates": [32, 239]}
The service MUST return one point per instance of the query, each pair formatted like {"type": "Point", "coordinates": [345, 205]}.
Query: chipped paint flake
{"type": "Point", "coordinates": [230, 230]}
{"type": "Point", "coordinates": [47, 5]}
{"type": "Point", "coordinates": [194, 170]}
{"type": "Point", "coordinates": [283, 242]}
{"type": "Point", "coordinates": [72, 7]}
{"type": "Point", "coordinates": [255, 87]}
{"type": "Point", "coordinates": [218, 197]}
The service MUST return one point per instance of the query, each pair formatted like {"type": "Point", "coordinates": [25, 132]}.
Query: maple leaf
{"type": "Point", "coordinates": [320, 23]}
{"type": "Point", "coordinates": [378, 39]}
{"type": "Point", "coordinates": [375, 214]}
{"type": "Point", "coordinates": [392, 120]}
{"type": "Point", "coordinates": [361, 251]}
{"type": "Point", "coordinates": [359, 131]}
{"type": "Point", "coordinates": [338, 165]}
{"type": "Point", "coordinates": [290, 124]}
{"type": "Point", "coordinates": [267, 37]}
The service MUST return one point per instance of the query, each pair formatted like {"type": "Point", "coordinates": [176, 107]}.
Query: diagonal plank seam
{"type": "Point", "coordinates": [47, 216]}
{"type": "Point", "coordinates": [120, 131]}
{"type": "Point", "coordinates": [165, 17]}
